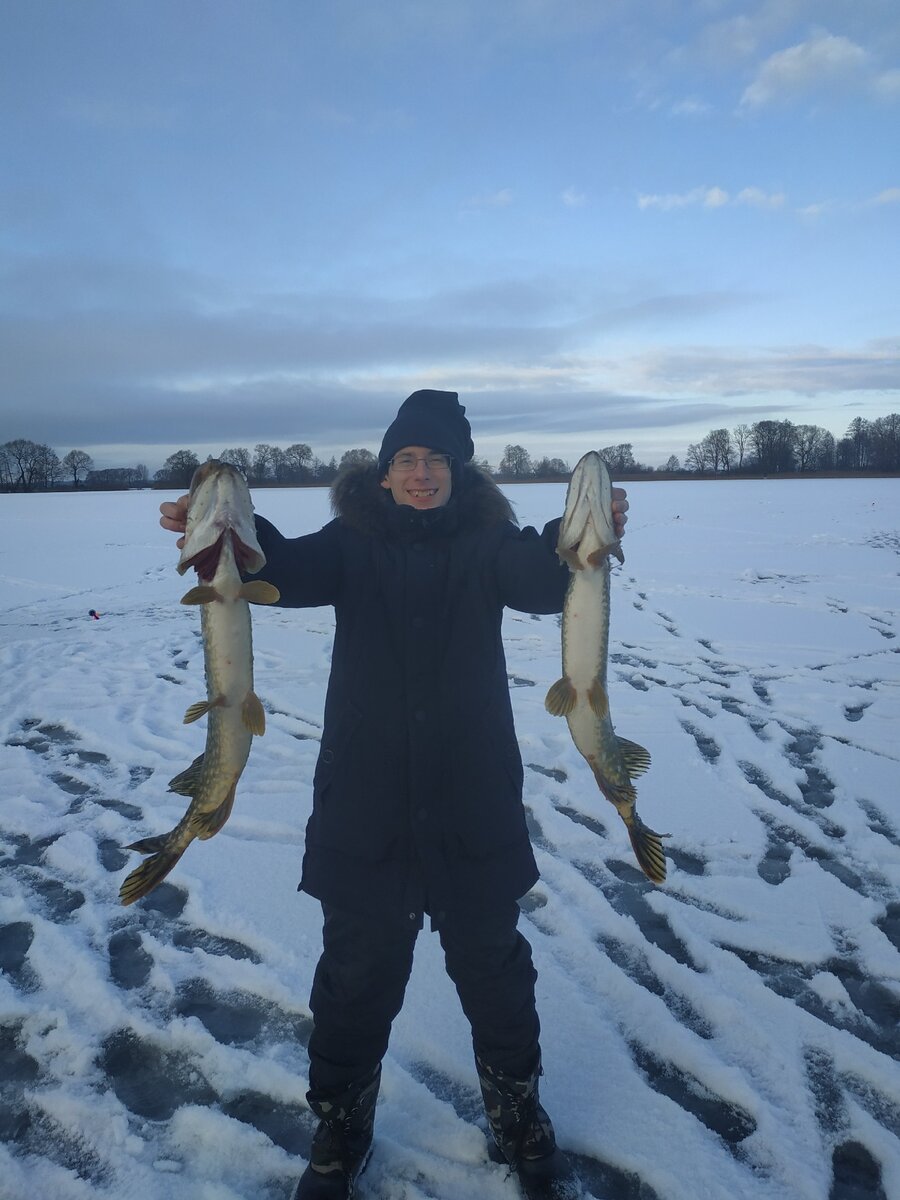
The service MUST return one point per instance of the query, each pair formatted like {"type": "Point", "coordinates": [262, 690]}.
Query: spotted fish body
{"type": "Point", "coordinates": [220, 542]}
{"type": "Point", "coordinates": [587, 540]}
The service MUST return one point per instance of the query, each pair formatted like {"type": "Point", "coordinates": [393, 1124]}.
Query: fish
{"type": "Point", "coordinates": [220, 543]}
{"type": "Point", "coordinates": [586, 543]}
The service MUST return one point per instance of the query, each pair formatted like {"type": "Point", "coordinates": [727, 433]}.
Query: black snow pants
{"type": "Point", "coordinates": [361, 979]}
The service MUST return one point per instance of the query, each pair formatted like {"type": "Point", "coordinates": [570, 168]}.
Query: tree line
{"type": "Point", "coordinates": [775, 447]}
{"type": "Point", "coordinates": [763, 448]}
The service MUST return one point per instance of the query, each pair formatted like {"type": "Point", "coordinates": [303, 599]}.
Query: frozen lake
{"type": "Point", "coordinates": [733, 1033]}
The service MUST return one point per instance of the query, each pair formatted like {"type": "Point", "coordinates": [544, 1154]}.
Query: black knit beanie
{"type": "Point", "coordinates": [436, 420]}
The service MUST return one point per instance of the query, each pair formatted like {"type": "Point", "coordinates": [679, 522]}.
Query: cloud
{"type": "Point", "coordinates": [690, 108]}
{"type": "Point", "coordinates": [572, 198]}
{"type": "Point", "coordinates": [711, 197]}
{"type": "Point", "coordinates": [804, 370]}
{"type": "Point", "coordinates": [97, 355]}
{"type": "Point", "coordinates": [825, 62]}
{"type": "Point", "coordinates": [668, 201]}
{"type": "Point", "coordinates": [499, 199]}
{"type": "Point", "coordinates": [888, 196]}
{"type": "Point", "coordinates": [757, 198]}
{"type": "Point", "coordinates": [887, 85]}
{"type": "Point", "coordinates": [812, 212]}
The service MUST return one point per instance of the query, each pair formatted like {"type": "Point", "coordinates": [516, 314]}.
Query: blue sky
{"type": "Point", "coordinates": [598, 220]}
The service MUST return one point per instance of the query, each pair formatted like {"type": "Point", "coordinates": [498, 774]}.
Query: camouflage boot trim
{"type": "Point", "coordinates": [520, 1127]}
{"type": "Point", "coordinates": [343, 1139]}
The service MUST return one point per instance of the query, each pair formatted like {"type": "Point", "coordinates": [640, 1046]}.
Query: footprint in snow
{"type": "Point", "coordinates": [869, 1012]}
{"type": "Point", "coordinates": [730, 1122]}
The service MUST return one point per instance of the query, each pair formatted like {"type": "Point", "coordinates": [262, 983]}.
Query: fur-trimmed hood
{"type": "Point", "coordinates": [476, 501]}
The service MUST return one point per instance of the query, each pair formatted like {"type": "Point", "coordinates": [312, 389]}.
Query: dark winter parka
{"type": "Point", "coordinates": [417, 797]}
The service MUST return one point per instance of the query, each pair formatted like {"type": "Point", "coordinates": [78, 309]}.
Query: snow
{"type": "Point", "coordinates": [732, 1033]}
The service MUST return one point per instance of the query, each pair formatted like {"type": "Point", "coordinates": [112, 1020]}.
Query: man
{"type": "Point", "coordinates": [417, 795]}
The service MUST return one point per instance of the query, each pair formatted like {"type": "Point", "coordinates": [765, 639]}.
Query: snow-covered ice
{"type": "Point", "coordinates": [732, 1034]}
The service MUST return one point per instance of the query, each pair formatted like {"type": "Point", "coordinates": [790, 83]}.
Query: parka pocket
{"type": "Point", "coordinates": [337, 750]}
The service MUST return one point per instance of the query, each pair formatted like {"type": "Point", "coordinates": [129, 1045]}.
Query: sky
{"type": "Point", "coordinates": [629, 221]}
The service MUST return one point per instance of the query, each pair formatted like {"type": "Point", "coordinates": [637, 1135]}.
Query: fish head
{"type": "Point", "coordinates": [587, 534]}
{"type": "Point", "coordinates": [219, 506]}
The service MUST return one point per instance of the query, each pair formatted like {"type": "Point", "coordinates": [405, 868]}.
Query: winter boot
{"type": "Point", "coordinates": [342, 1142]}
{"type": "Point", "coordinates": [522, 1135]}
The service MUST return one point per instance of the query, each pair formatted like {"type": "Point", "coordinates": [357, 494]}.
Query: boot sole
{"type": "Point", "coordinates": [536, 1183]}
{"type": "Point", "coordinates": [295, 1194]}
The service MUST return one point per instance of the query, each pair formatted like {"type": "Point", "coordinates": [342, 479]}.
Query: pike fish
{"type": "Point", "coordinates": [586, 542]}
{"type": "Point", "coordinates": [220, 543]}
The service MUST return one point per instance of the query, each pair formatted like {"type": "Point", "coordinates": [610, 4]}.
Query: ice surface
{"type": "Point", "coordinates": [731, 1034]}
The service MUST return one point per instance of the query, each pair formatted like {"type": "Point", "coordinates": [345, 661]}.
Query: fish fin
{"type": "Point", "coordinates": [208, 824]}
{"type": "Point", "coordinates": [253, 714]}
{"type": "Point", "coordinates": [257, 591]}
{"type": "Point", "coordinates": [647, 846]}
{"type": "Point", "coordinates": [569, 555]}
{"type": "Point", "coordinates": [637, 759]}
{"type": "Point", "coordinates": [150, 845]}
{"type": "Point", "coordinates": [561, 698]}
{"type": "Point", "coordinates": [598, 699]}
{"type": "Point", "coordinates": [201, 594]}
{"type": "Point", "coordinates": [153, 870]}
{"type": "Point", "coordinates": [186, 783]}
{"type": "Point", "coordinates": [201, 708]}
{"type": "Point", "coordinates": [596, 557]}
{"type": "Point", "coordinates": [622, 795]}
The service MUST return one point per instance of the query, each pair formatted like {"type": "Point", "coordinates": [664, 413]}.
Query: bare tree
{"type": "Point", "coordinates": [178, 469]}
{"type": "Point", "coordinates": [741, 437]}
{"type": "Point", "coordinates": [808, 443]}
{"type": "Point", "coordinates": [515, 463]}
{"type": "Point", "coordinates": [885, 436]}
{"type": "Point", "coordinates": [351, 458]}
{"type": "Point", "coordinates": [50, 469]}
{"type": "Point", "coordinates": [6, 470]}
{"type": "Point", "coordinates": [279, 465]}
{"type": "Point", "coordinates": [551, 468]}
{"type": "Point", "coordinates": [619, 458]}
{"type": "Point", "coordinates": [697, 457]}
{"type": "Point", "coordinates": [859, 437]}
{"type": "Point", "coordinates": [238, 457]}
{"type": "Point", "coordinates": [298, 459]}
{"type": "Point", "coordinates": [773, 444]}
{"type": "Point", "coordinates": [29, 465]}
{"type": "Point", "coordinates": [718, 449]}
{"type": "Point", "coordinates": [75, 461]}
{"type": "Point", "coordinates": [263, 460]}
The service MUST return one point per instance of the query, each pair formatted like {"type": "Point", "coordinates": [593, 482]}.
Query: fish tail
{"type": "Point", "coordinates": [648, 850]}
{"type": "Point", "coordinates": [153, 870]}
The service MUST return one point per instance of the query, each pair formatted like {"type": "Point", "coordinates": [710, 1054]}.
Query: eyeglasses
{"type": "Point", "coordinates": [403, 464]}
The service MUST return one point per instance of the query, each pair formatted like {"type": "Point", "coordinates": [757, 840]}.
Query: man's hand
{"type": "Point", "coordinates": [174, 517]}
{"type": "Point", "coordinates": [619, 509]}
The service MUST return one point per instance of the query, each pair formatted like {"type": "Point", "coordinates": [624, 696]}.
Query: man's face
{"type": "Point", "coordinates": [423, 486]}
